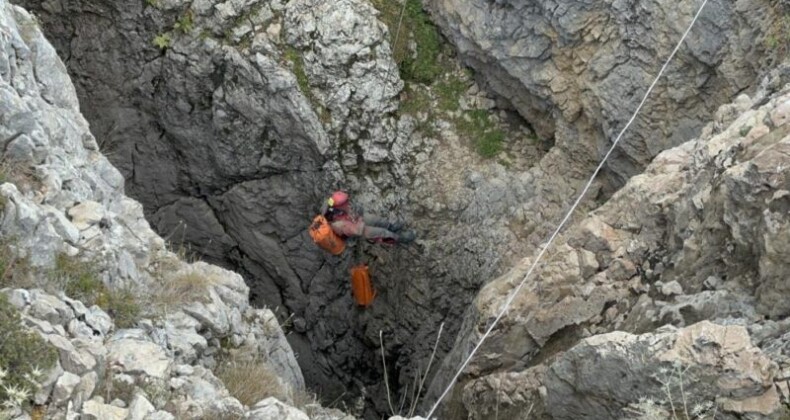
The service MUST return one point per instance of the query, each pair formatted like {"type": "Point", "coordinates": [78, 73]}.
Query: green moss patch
{"type": "Point", "coordinates": [478, 127]}
{"type": "Point", "coordinates": [422, 65]}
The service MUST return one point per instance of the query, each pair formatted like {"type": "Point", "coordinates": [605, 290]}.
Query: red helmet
{"type": "Point", "coordinates": [338, 199]}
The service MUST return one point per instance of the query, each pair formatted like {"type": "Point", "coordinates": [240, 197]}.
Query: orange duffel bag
{"type": "Point", "coordinates": [361, 287]}
{"type": "Point", "coordinates": [325, 237]}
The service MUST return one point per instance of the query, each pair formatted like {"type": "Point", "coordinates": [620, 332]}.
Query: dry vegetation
{"type": "Point", "coordinates": [180, 289]}
{"type": "Point", "coordinates": [250, 381]}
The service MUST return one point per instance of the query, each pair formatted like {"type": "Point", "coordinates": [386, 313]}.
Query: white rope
{"type": "Point", "coordinates": [512, 296]}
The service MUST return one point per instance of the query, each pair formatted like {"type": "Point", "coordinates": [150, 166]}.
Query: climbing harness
{"type": "Point", "coordinates": [534, 264]}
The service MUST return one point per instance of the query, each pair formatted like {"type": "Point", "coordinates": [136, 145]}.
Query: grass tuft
{"type": "Point", "coordinates": [80, 281]}
{"type": "Point", "coordinates": [181, 289]}
{"type": "Point", "coordinates": [20, 174]}
{"type": "Point", "coordinates": [414, 99]}
{"type": "Point", "coordinates": [449, 91]}
{"type": "Point", "coordinates": [295, 57]}
{"type": "Point", "coordinates": [250, 381]}
{"type": "Point", "coordinates": [483, 133]}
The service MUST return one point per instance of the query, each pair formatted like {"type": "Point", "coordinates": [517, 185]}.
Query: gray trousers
{"type": "Point", "coordinates": [376, 227]}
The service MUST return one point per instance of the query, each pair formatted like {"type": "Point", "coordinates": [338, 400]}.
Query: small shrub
{"type": "Point", "coordinates": [205, 34]}
{"type": "Point", "coordinates": [80, 281]}
{"type": "Point", "coordinates": [157, 391]}
{"type": "Point", "coordinates": [771, 42]}
{"type": "Point", "coordinates": [489, 144]}
{"type": "Point", "coordinates": [745, 130]}
{"type": "Point", "coordinates": [306, 401]}
{"type": "Point", "coordinates": [24, 357]}
{"type": "Point", "coordinates": [111, 388]}
{"type": "Point", "coordinates": [185, 24]}
{"type": "Point", "coordinates": [677, 403]}
{"type": "Point", "coordinates": [152, 3]}
{"type": "Point", "coordinates": [122, 305]}
{"type": "Point", "coordinates": [162, 41]}
{"type": "Point", "coordinates": [777, 37]}
{"type": "Point", "coordinates": [250, 381]}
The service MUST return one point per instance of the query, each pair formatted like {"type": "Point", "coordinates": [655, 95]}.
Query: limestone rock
{"type": "Point", "coordinates": [186, 343]}
{"type": "Point", "coordinates": [51, 309]}
{"type": "Point", "coordinates": [73, 360]}
{"type": "Point", "coordinates": [507, 395]}
{"type": "Point", "coordinates": [579, 54]}
{"type": "Point", "coordinates": [93, 410]}
{"type": "Point", "coordinates": [715, 198]}
{"type": "Point", "coordinates": [228, 148]}
{"type": "Point", "coordinates": [349, 64]}
{"type": "Point", "coordinates": [47, 384]}
{"type": "Point", "coordinates": [64, 387]}
{"type": "Point", "coordinates": [139, 408]}
{"type": "Point", "coordinates": [603, 375]}
{"type": "Point", "coordinates": [74, 207]}
{"type": "Point", "coordinates": [160, 415]}
{"type": "Point", "coordinates": [85, 389]}
{"type": "Point", "coordinates": [98, 320]}
{"type": "Point", "coordinates": [135, 354]}
{"type": "Point", "coordinates": [670, 289]}
{"type": "Point", "coordinates": [271, 408]}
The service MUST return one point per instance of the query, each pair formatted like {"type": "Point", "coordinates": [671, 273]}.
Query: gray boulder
{"type": "Point", "coordinates": [271, 408]}
{"type": "Point", "coordinates": [134, 353]}
{"type": "Point", "coordinates": [701, 365]}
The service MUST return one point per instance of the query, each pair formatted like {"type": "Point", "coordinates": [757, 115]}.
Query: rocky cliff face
{"type": "Point", "coordinates": [576, 72]}
{"type": "Point", "coordinates": [230, 120]}
{"type": "Point", "coordinates": [234, 127]}
{"type": "Point", "coordinates": [150, 346]}
{"type": "Point", "coordinates": [697, 237]}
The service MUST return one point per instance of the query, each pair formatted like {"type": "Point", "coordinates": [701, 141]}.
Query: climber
{"type": "Point", "coordinates": [347, 222]}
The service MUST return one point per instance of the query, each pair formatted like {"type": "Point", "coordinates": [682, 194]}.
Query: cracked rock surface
{"type": "Point", "coordinates": [691, 243]}
{"type": "Point", "coordinates": [244, 114]}
{"type": "Point", "coordinates": [63, 200]}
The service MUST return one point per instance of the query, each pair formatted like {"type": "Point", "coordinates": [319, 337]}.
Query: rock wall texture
{"type": "Point", "coordinates": [232, 135]}
{"type": "Point", "coordinates": [231, 120]}
{"type": "Point", "coordinates": [696, 237]}
{"type": "Point", "coordinates": [577, 70]}
{"type": "Point", "coordinates": [61, 199]}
